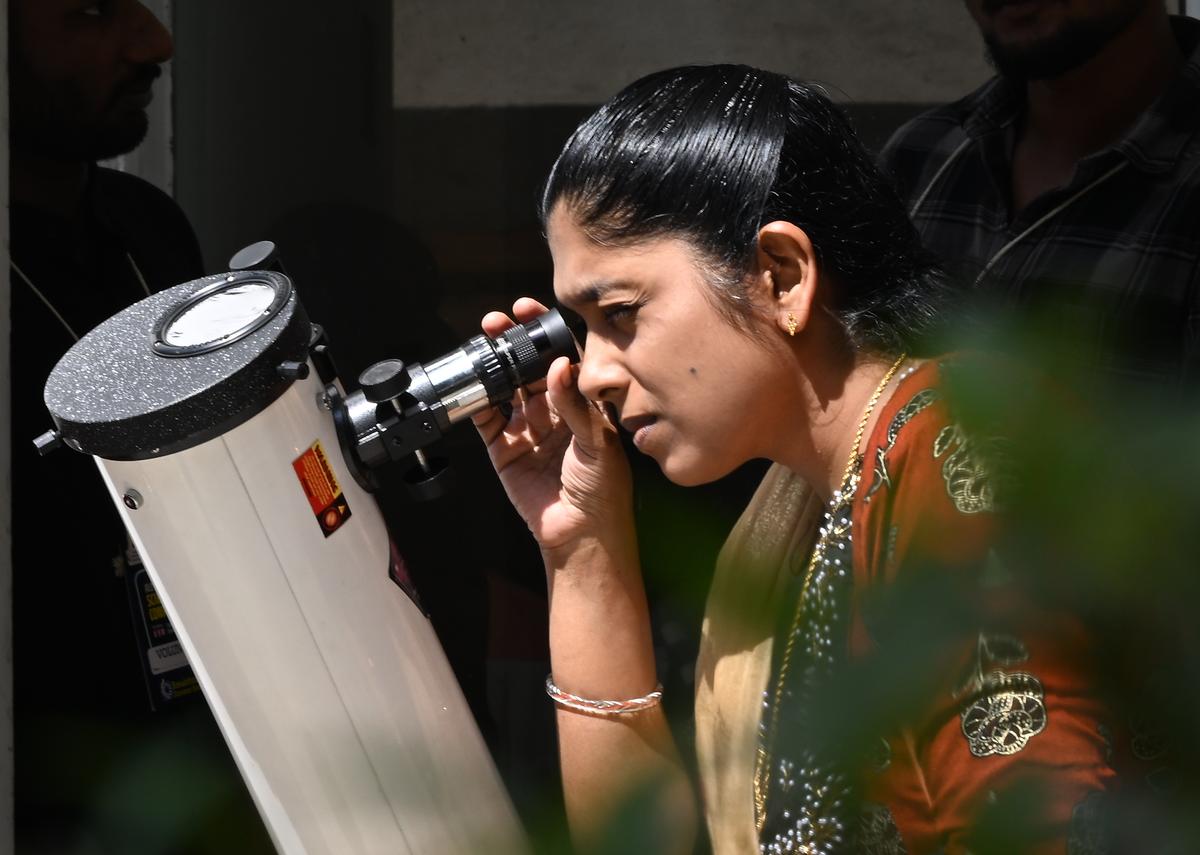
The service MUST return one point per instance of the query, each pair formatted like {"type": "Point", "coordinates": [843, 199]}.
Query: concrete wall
{"type": "Point", "coordinates": [521, 52]}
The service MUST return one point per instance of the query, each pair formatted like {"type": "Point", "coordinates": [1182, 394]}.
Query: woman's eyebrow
{"type": "Point", "coordinates": [594, 291]}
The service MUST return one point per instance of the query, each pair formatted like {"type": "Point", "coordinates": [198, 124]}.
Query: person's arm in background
{"type": "Point", "coordinates": [564, 470]}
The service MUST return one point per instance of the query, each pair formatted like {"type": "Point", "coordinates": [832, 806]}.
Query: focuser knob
{"type": "Point", "coordinates": [384, 381]}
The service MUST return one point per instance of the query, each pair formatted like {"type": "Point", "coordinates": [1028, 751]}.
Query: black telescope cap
{"type": "Point", "coordinates": [118, 394]}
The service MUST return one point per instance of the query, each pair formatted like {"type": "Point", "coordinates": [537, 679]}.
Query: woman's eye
{"type": "Point", "coordinates": [619, 312]}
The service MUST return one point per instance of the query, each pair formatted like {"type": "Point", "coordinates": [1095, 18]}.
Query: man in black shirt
{"type": "Point", "coordinates": [85, 243]}
{"type": "Point", "coordinates": [1066, 188]}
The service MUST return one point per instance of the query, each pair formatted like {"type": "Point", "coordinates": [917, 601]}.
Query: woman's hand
{"type": "Point", "coordinates": [557, 455]}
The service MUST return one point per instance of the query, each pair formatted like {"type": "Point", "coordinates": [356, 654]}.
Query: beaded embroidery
{"type": "Point", "coordinates": [817, 814]}
{"type": "Point", "coordinates": [818, 795]}
{"type": "Point", "coordinates": [1091, 831]}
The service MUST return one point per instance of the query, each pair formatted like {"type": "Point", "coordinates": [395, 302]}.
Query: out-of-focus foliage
{"type": "Point", "coordinates": [1103, 507]}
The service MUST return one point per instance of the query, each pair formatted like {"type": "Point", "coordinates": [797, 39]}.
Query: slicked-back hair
{"type": "Point", "coordinates": [713, 153]}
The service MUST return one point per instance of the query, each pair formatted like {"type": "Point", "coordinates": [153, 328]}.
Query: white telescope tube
{"type": "Point", "coordinates": [327, 681]}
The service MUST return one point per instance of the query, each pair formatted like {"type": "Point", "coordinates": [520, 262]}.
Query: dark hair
{"type": "Point", "coordinates": [713, 153]}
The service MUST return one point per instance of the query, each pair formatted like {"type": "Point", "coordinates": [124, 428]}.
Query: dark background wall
{"type": "Point", "coordinates": [279, 104]}
{"type": "Point", "coordinates": [444, 118]}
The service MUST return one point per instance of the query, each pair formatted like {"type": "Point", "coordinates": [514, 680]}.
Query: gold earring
{"type": "Point", "coordinates": [791, 324]}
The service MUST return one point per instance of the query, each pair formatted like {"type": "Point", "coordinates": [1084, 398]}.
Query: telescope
{"type": "Point", "coordinates": [243, 471]}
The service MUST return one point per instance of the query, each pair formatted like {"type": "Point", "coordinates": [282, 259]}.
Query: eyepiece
{"type": "Point", "coordinates": [530, 348]}
{"type": "Point", "coordinates": [403, 408]}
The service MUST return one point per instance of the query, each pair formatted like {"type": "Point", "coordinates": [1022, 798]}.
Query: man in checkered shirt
{"type": "Point", "coordinates": [1067, 188]}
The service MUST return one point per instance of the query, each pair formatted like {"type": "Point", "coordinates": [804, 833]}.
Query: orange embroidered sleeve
{"type": "Point", "coordinates": [1015, 703]}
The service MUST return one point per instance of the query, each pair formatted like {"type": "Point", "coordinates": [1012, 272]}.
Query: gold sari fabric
{"type": "Point", "coordinates": [771, 541]}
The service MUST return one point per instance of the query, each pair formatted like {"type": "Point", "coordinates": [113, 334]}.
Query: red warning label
{"type": "Point", "coordinates": [321, 487]}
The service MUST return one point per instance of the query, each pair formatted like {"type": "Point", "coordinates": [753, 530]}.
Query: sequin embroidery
{"type": "Point", "coordinates": [1091, 830]}
{"type": "Point", "coordinates": [803, 802]}
{"type": "Point", "coordinates": [877, 832]}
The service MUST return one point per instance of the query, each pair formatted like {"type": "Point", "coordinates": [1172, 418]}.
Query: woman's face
{"type": "Point", "coordinates": [696, 393]}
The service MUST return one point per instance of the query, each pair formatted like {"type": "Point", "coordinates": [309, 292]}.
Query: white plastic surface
{"type": "Point", "coordinates": [328, 683]}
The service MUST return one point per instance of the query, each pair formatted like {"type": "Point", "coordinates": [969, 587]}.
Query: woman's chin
{"type": "Point", "coordinates": [689, 473]}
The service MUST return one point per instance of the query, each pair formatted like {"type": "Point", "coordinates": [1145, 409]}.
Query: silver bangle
{"type": "Point", "coordinates": [595, 707]}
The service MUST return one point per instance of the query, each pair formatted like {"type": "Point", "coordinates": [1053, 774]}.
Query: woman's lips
{"type": "Point", "coordinates": [641, 428]}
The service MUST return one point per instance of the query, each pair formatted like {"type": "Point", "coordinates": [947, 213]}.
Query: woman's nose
{"type": "Point", "coordinates": [601, 375]}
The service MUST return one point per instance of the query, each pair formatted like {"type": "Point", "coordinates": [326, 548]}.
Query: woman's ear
{"type": "Point", "coordinates": [787, 266]}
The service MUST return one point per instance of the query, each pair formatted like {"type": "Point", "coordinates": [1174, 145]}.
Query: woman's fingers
{"type": "Point", "coordinates": [527, 308]}
{"type": "Point", "coordinates": [568, 402]}
{"type": "Point", "coordinates": [492, 422]}
{"type": "Point", "coordinates": [524, 310]}
{"type": "Point", "coordinates": [494, 323]}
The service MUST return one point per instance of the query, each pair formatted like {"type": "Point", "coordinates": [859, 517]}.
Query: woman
{"type": "Point", "coordinates": [751, 288]}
